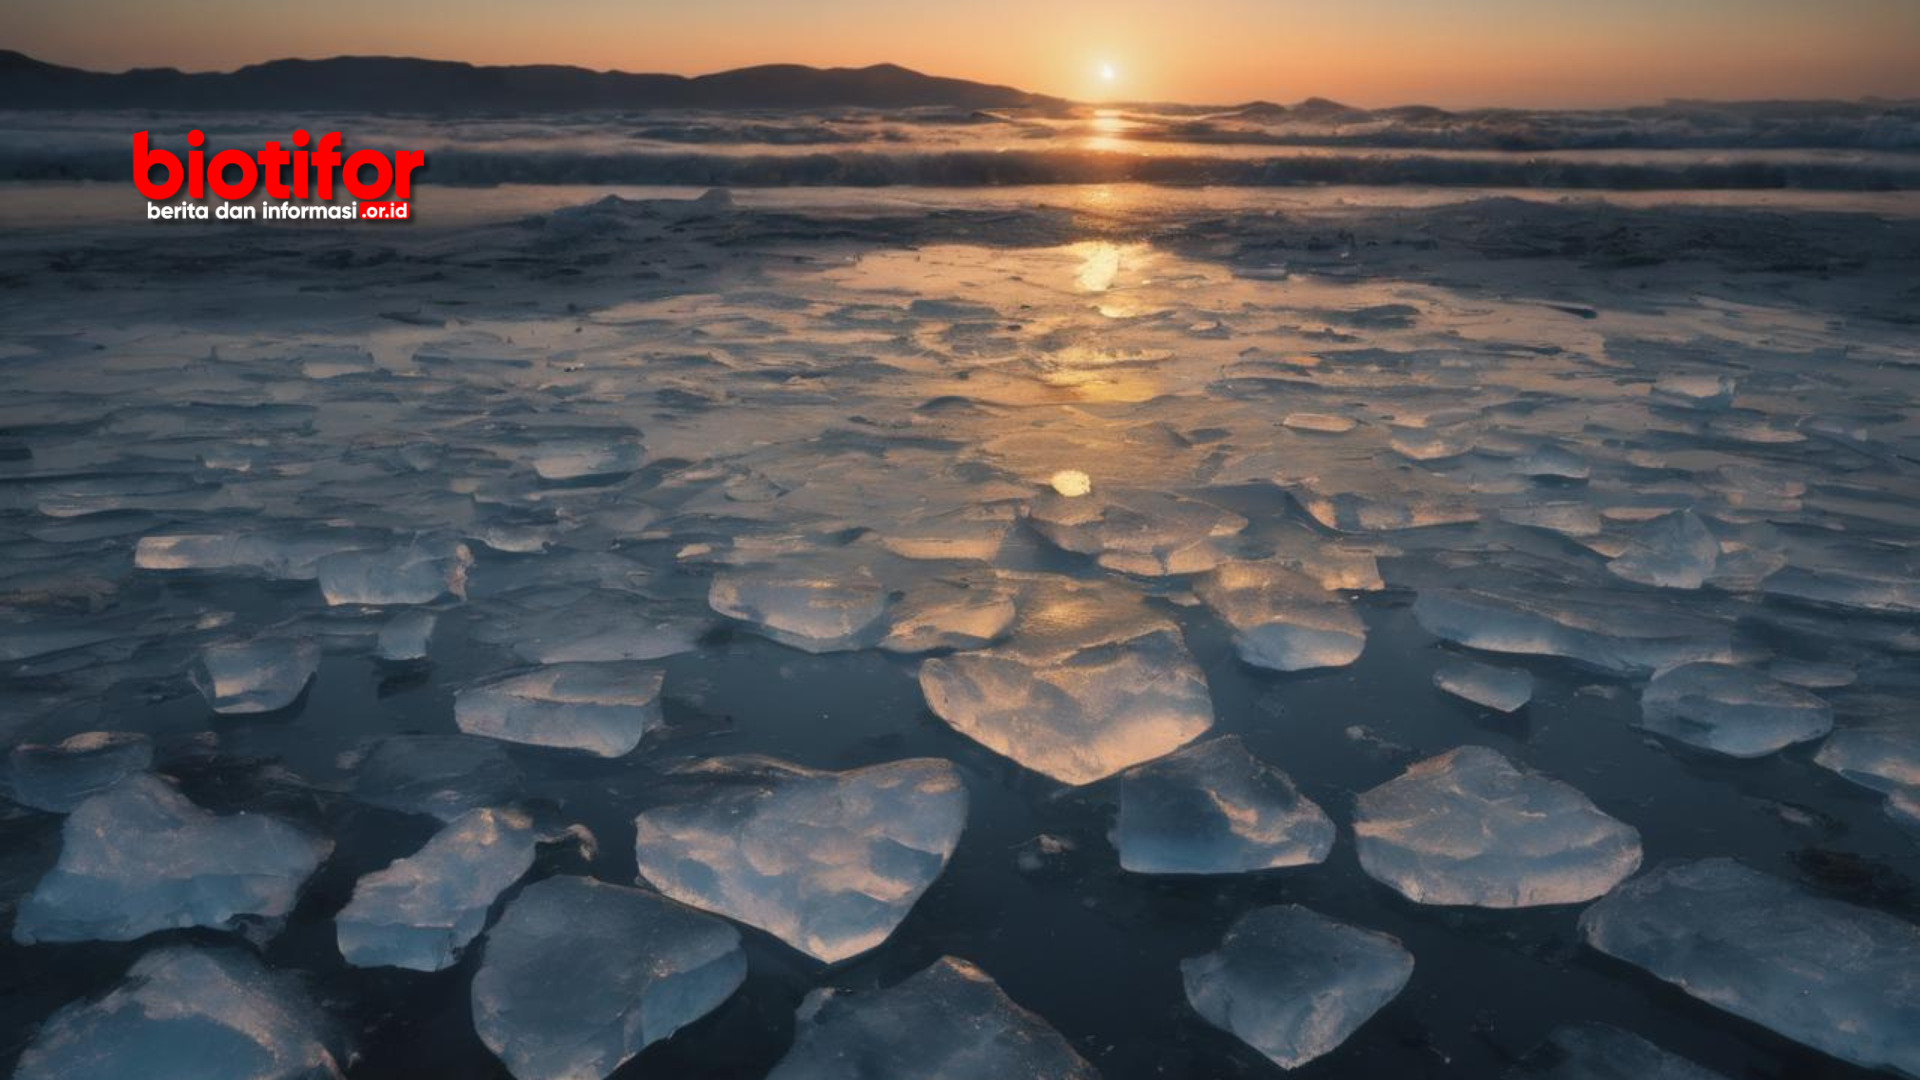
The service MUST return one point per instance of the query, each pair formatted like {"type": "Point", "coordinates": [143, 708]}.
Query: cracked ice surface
{"type": "Point", "coordinates": [1468, 827]}
{"type": "Point", "coordinates": [829, 863]}
{"type": "Point", "coordinates": [1837, 977]}
{"type": "Point", "coordinates": [949, 1021]}
{"type": "Point", "coordinates": [1089, 682]}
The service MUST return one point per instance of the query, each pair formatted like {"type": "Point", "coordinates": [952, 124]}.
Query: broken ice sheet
{"type": "Point", "coordinates": [949, 1021]}
{"type": "Point", "coordinates": [579, 975]}
{"type": "Point", "coordinates": [1089, 682]}
{"type": "Point", "coordinates": [1501, 689]}
{"type": "Point", "coordinates": [1145, 533]}
{"type": "Point", "coordinates": [816, 605]}
{"type": "Point", "coordinates": [1282, 620]}
{"type": "Point", "coordinates": [260, 676]}
{"type": "Point", "coordinates": [1294, 984]}
{"type": "Point", "coordinates": [59, 777]}
{"type": "Point", "coordinates": [1731, 710]}
{"type": "Point", "coordinates": [422, 910]}
{"type": "Point", "coordinates": [1467, 827]}
{"type": "Point", "coordinates": [1214, 808]}
{"type": "Point", "coordinates": [1836, 977]}
{"type": "Point", "coordinates": [1599, 1052]}
{"type": "Point", "coordinates": [828, 862]}
{"type": "Point", "coordinates": [185, 1012]}
{"type": "Point", "coordinates": [603, 708]}
{"type": "Point", "coordinates": [140, 857]}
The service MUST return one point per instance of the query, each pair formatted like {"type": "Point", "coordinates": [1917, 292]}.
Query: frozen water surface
{"type": "Point", "coordinates": [1049, 483]}
{"type": "Point", "coordinates": [829, 863]}
{"type": "Point", "coordinates": [1467, 827]}
{"type": "Point", "coordinates": [948, 1022]}
{"type": "Point", "coordinates": [1839, 978]}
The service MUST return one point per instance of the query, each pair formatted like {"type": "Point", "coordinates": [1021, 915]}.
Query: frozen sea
{"type": "Point", "coordinates": [828, 562]}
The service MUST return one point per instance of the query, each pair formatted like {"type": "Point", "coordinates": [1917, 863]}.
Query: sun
{"type": "Point", "coordinates": [1107, 74]}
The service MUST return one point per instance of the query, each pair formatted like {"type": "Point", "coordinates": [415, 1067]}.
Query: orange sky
{"type": "Point", "coordinates": [1368, 52]}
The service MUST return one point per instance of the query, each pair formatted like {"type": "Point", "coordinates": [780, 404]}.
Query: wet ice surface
{"type": "Point", "coordinates": [421, 911]}
{"type": "Point", "coordinates": [1601, 1052]}
{"type": "Point", "coordinates": [543, 518]}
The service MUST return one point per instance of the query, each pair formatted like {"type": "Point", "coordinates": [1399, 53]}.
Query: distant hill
{"type": "Point", "coordinates": [402, 84]}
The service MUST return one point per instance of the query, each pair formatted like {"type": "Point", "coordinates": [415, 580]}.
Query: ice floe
{"type": "Point", "coordinates": [828, 862]}
{"type": "Point", "coordinates": [1731, 710]}
{"type": "Point", "coordinates": [421, 911]}
{"type": "Point", "coordinates": [602, 708]}
{"type": "Point", "coordinates": [1467, 827]}
{"type": "Point", "coordinates": [1214, 808]}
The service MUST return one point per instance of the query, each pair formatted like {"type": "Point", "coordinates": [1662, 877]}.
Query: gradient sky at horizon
{"type": "Point", "coordinates": [1366, 52]}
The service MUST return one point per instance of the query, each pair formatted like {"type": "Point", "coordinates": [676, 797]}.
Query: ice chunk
{"type": "Point", "coordinates": [1293, 984]}
{"type": "Point", "coordinates": [578, 976]}
{"type": "Point", "coordinates": [261, 676]}
{"type": "Point", "coordinates": [1467, 827]}
{"type": "Point", "coordinates": [1552, 461]}
{"type": "Point", "coordinates": [1710, 393]}
{"type": "Point", "coordinates": [587, 456]}
{"type": "Point", "coordinates": [406, 636]}
{"type": "Point", "coordinates": [971, 532]}
{"type": "Point", "coordinates": [60, 777]}
{"type": "Point", "coordinates": [1283, 620]}
{"type": "Point", "coordinates": [441, 775]}
{"type": "Point", "coordinates": [139, 858]}
{"type": "Point", "coordinates": [1731, 710]}
{"type": "Point", "coordinates": [1674, 551]}
{"type": "Point", "coordinates": [1214, 808]}
{"type": "Point", "coordinates": [816, 608]}
{"type": "Point", "coordinates": [827, 862]}
{"type": "Point", "coordinates": [1568, 519]}
{"type": "Point", "coordinates": [290, 557]}
{"type": "Point", "coordinates": [421, 911]}
{"type": "Point", "coordinates": [950, 615]}
{"type": "Point", "coordinates": [1381, 509]}
{"type": "Point", "coordinates": [1600, 1052]}
{"type": "Point", "coordinates": [603, 708]}
{"type": "Point", "coordinates": [1615, 634]}
{"type": "Point", "coordinates": [1136, 532]}
{"type": "Point", "coordinates": [1836, 977]}
{"type": "Point", "coordinates": [597, 624]}
{"type": "Point", "coordinates": [1089, 683]}
{"type": "Point", "coordinates": [417, 574]}
{"type": "Point", "coordinates": [1323, 423]}
{"type": "Point", "coordinates": [188, 1013]}
{"type": "Point", "coordinates": [947, 1022]}
{"type": "Point", "coordinates": [1501, 689]}
{"type": "Point", "coordinates": [1883, 755]}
